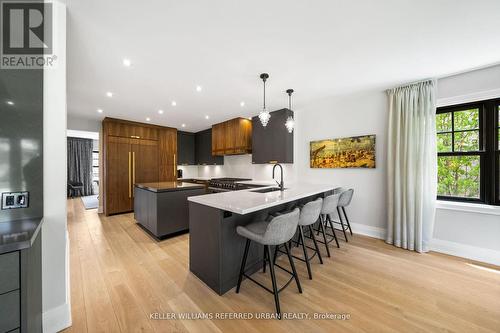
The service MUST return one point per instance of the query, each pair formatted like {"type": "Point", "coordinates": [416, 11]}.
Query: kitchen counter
{"type": "Point", "coordinates": [169, 186]}
{"type": "Point", "coordinates": [248, 201]}
{"type": "Point", "coordinates": [215, 249]}
{"type": "Point", "coordinates": [18, 235]}
{"type": "Point", "coordinates": [162, 208]}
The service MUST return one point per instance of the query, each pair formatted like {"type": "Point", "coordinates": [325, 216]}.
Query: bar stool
{"type": "Point", "coordinates": [329, 206]}
{"type": "Point", "coordinates": [309, 214]}
{"type": "Point", "coordinates": [277, 232]}
{"type": "Point", "coordinates": [344, 201]}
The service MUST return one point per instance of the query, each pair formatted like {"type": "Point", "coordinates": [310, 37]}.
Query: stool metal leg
{"type": "Point", "coordinates": [333, 231]}
{"type": "Point", "coordinates": [299, 287]}
{"type": "Point", "coordinates": [306, 257]}
{"type": "Point", "coordinates": [275, 256]}
{"type": "Point", "coordinates": [275, 286]}
{"type": "Point", "coordinates": [243, 264]}
{"type": "Point", "coordinates": [264, 262]}
{"type": "Point", "coordinates": [324, 236]}
{"type": "Point", "coordinates": [342, 224]}
{"type": "Point", "coordinates": [348, 224]}
{"type": "Point", "coordinates": [315, 244]}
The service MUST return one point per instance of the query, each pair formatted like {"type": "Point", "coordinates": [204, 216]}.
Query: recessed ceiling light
{"type": "Point", "coordinates": [183, 125]}
{"type": "Point", "coordinates": [160, 111]}
{"type": "Point", "coordinates": [174, 103]}
{"type": "Point", "coordinates": [242, 104]}
{"type": "Point", "coordinates": [148, 119]}
{"type": "Point", "coordinates": [207, 117]}
{"type": "Point", "coordinates": [99, 110]}
{"type": "Point", "coordinates": [127, 62]}
{"type": "Point", "coordinates": [10, 102]}
{"type": "Point", "coordinates": [109, 94]}
{"type": "Point", "coordinates": [198, 88]}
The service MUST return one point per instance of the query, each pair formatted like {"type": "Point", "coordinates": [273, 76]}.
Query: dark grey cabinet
{"type": "Point", "coordinates": [273, 143]}
{"type": "Point", "coordinates": [21, 289]}
{"type": "Point", "coordinates": [203, 149]}
{"type": "Point", "coordinates": [166, 212]}
{"type": "Point", "coordinates": [186, 148]}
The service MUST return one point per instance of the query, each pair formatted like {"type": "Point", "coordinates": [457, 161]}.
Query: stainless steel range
{"type": "Point", "coordinates": [227, 184]}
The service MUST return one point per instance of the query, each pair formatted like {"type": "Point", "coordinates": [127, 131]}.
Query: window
{"type": "Point", "coordinates": [468, 137]}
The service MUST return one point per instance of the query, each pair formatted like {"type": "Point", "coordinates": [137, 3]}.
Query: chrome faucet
{"type": "Point", "coordinates": [281, 184]}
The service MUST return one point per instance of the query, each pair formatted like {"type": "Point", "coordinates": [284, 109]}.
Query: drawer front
{"type": "Point", "coordinates": [9, 266]}
{"type": "Point", "coordinates": [9, 311]}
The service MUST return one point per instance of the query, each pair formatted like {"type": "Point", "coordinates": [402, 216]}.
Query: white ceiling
{"type": "Point", "coordinates": [319, 48]}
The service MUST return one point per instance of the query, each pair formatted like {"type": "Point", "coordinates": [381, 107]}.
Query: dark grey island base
{"type": "Point", "coordinates": [21, 276]}
{"type": "Point", "coordinates": [162, 208]}
{"type": "Point", "coordinates": [216, 250]}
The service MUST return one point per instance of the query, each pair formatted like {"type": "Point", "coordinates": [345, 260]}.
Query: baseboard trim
{"type": "Point", "coordinates": [438, 245]}
{"type": "Point", "coordinates": [466, 251]}
{"type": "Point", "coordinates": [57, 319]}
{"type": "Point", "coordinates": [368, 230]}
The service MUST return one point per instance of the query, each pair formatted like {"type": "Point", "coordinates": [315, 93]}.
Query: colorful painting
{"type": "Point", "coordinates": [354, 152]}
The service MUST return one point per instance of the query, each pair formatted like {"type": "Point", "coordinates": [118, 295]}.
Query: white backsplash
{"type": "Point", "coordinates": [240, 166]}
{"type": "Point", "coordinates": [188, 171]}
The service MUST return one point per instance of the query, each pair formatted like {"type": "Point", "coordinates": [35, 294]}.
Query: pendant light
{"type": "Point", "coordinates": [290, 123]}
{"type": "Point", "coordinates": [264, 115]}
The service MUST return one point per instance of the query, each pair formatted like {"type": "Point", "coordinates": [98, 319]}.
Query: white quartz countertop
{"type": "Point", "coordinates": [248, 201]}
{"type": "Point", "coordinates": [259, 182]}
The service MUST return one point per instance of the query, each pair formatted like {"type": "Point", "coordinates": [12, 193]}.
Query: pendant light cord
{"type": "Point", "coordinates": [264, 93]}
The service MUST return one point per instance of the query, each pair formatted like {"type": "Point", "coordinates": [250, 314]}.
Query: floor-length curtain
{"type": "Point", "coordinates": [80, 163]}
{"type": "Point", "coordinates": [412, 166]}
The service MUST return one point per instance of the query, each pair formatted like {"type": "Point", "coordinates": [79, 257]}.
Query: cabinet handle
{"type": "Point", "coordinates": [129, 174]}
{"type": "Point", "coordinates": [133, 171]}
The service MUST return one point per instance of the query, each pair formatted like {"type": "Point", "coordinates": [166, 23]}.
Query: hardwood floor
{"type": "Point", "coordinates": [119, 276]}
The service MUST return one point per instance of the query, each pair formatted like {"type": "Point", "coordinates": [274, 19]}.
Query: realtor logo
{"type": "Point", "coordinates": [26, 35]}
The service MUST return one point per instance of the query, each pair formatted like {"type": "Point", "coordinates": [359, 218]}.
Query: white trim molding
{"type": "Point", "coordinates": [368, 230]}
{"type": "Point", "coordinates": [468, 207]}
{"type": "Point", "coordinates": [57, 319]}
{"type": "Point", "coordinates": [468, 98]}
{"type": "Point", "coordinates": [466, 251]}
{"type": "Point", "coordinates": [438, 245]}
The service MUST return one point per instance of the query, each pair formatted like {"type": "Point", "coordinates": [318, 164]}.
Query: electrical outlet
{"type": "Point", "coordinates": [13, 200]}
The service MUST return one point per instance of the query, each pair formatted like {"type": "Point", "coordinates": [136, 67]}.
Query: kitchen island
{"type": "Point", "coordinates": [215, 249]}
{"type": "Point", "coordinates": [162, 208]}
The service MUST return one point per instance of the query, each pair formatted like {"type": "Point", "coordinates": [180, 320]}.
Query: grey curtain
{"type": "Point", "coordinates": [412, 166]}
{"type": "Point", "coordinates": [80, 163]}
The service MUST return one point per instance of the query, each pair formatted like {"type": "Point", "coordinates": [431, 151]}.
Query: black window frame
{"type": "Point", "coordinates": [489, 155]}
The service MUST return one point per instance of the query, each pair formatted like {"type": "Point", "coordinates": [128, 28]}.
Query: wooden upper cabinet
{"type": "Point", "coordinates": [218, 139]}
{"type": "Point", "coordinates": [232, 137]}
{"type": "Point", "coordinates": [129, 129]}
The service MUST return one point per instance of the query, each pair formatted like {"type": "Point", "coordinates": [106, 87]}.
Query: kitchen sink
{"type": "Point", "coordinates": [266, 190]}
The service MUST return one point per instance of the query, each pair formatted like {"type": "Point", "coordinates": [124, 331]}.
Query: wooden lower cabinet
{"type": "Point", "coordinates": [131, 160]}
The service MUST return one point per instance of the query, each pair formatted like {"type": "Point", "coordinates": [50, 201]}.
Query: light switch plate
{"type": "Point", "coordinates": [14, 200]}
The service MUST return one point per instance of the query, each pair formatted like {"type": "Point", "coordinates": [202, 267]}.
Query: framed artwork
{"type": "Point", "coordinates": [353, 152]}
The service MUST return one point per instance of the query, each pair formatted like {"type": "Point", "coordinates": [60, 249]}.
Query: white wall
{"type": "Point", "coordinates": [83, 124]}
{"type": "Point", "coordinates": [344, 116]}
{"type": "Point", "coordinates": [457, 231]}
{"type": "Point", "coordinates": [55, 255]}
